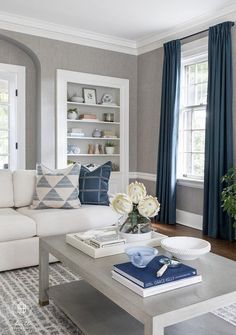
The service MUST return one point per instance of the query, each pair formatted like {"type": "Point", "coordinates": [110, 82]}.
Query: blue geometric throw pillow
{"type": "Point", "coordinates": [93, 185]}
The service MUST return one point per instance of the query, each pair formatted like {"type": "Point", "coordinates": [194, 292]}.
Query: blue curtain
{"type": "Point", "coordinates": [166, 166]}
{"type": "Point", "coordinates": [219, 133]}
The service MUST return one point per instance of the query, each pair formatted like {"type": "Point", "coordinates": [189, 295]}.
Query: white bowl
{"type": "Point", "coordinates": [77, 99]}
{"type": "Point", "coordinates": [186, 248]}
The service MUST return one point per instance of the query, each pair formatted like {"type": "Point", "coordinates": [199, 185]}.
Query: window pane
{"type": "Point", "coordinates": [3, 162]}
{"type": "Point", "coordinates": [199, 118]}
{"type": "Point", "coordinates": [202, 72]}
{"type": "Point", "coordinates": [198, 165]}
{"type": "Point", "coordinates": [190, 95]}
{"type": "Point", "coordinates": [3, 117]}
{"type": "Point", "coordinates": [201, 95]}
{"type": "Point", "coordinates": [187, 164]}
{"type": "Point", "coordinates": [191, 72]}
{"type": "Point", "coordinates": [198, 141]}
{"type": "Point", "coordinates": [187, 115]}
{"type": "Point", "coordinates": [3, 90]}
{"type": "Point", "coordinates": [187, 141]}
{"type": "Point", "coordinates": [4, 142]}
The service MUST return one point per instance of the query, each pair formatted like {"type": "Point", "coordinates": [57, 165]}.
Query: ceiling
{"type": "Point", "coordinates": [131, 20]}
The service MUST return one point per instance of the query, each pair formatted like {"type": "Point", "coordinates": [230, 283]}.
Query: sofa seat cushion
{"type": "Point", "coordinates": [62, 221]}
{"type": "Point", "coordinates": [15, 226]}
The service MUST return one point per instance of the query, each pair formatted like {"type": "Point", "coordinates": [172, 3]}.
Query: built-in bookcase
{"type": "Point", "coordinates": [71, 84]}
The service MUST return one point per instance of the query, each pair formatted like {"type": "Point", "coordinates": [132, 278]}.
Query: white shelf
{"type": "Point", "coordinates": [94, 138]}
{"type": "Point", "coordinates": [91, 105]}
{"type": "Point", "coordinates": [93, 155]}
{"type": "Point", "coordinates": [96, 121]}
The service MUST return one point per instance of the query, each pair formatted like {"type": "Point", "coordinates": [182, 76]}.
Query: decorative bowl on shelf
{"type": "Point", "coordinates": [141, 256]}
{"type": "Point", "coordinates": [77, 99]}
{"type": "Point", "coordinates": [186, 248]}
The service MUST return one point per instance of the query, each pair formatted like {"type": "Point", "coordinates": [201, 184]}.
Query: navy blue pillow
{"type": "Point", "coordinates": [93, 185]}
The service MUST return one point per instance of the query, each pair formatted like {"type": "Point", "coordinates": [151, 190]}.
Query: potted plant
{"type": "Point", "coordinates": [72, 114]}
{"type": "Point", "coordinates": [229, 194]}
{"type": "Point", "coordinates": [109, 148]}
{"type": "Point", "coordinates": [136, 208]}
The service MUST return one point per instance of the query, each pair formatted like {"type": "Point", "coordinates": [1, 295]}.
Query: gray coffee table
{"type": "Point", "coordinates": [100, 305]}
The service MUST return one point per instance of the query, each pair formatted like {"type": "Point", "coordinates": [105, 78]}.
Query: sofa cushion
{"type": "Point", "coordinates": [6, 189]}
{"type": "Point", "coordinates": [93, 185]}
{"type": "Point", "coordinates": [62, 221]}
{"type": "Point", "coordinates": [23, 186]}
{"type": "Point", "coordinates": [15, 226]}
{"type": "Point", "coordinates": [57, 188]}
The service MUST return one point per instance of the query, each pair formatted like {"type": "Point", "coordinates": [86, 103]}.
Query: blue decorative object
{"type": "Point", "coordinates": [219, 132]}
{"type": "Point", "coordinates": [93, 185]}
{"type": "Point", "coordinates": [148, 277]}
{"type": "Point", "coordinates": [141, 256]}
{"type": "Point", "coordinates": [166, 169]}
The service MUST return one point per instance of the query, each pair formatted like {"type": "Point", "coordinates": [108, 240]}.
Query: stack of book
{"type": "Point", "coordinates": [108, 134]}
{"type": "Point", "coordinates": [145, 281]}
{"type": "Point", "coordinates": [88, 117]}
{"type": "Point", "coordinates": [75, 132]}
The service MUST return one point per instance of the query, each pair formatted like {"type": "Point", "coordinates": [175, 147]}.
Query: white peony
{"type": "Point", "coordinates": [149, 206]}
{"type": "Point", "coordinates": [136, 192]}
{"type": "Point", "coordinates": [122, 204]}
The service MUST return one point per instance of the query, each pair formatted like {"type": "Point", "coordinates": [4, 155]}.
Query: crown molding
{"type": "Point", "coordinates": [203, 22]}
{"type": "Point", "coordinates": [64, 33]}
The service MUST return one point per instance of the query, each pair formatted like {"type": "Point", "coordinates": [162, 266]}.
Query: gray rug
{"type": "Point", "coordinates": [19, 310]}
{"type": "Point", "coordinates": [20, 313]}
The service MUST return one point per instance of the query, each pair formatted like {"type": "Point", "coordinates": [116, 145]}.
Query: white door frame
{"type": "Point", "coordinates": [17, 148]}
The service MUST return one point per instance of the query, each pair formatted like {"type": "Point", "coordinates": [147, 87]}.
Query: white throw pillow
{"type": "Point", "coordinates": [24, 182]}
{"type": "Point", "coordinates": [57, 188]}
{"type": "Point", "coordinates": [6, 189]}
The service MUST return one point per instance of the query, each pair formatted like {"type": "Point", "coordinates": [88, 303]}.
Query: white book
{"type": "Point", "coordinates": [147, 292]}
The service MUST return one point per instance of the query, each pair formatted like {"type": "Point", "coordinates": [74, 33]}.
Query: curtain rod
{"type": "Point", "coordinates": [198, 33]}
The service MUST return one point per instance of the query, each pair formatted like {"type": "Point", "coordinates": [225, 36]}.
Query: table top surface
{"type": "Point", "coordinates": [218, 273]}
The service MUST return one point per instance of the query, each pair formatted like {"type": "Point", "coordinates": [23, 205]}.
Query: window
{"type": "Point", "coordinates": [194, 79]}
{"type": "Point", "coordinates": [12, 121]}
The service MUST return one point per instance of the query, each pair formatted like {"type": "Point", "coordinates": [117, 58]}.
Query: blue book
{"type": "Point", "coordinates": [147, 277]}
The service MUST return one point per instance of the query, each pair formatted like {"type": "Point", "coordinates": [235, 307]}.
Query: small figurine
{"type": "Point", "coordinates": [100, 148]}
{"type": "Point", "coordinates": [90, 149]}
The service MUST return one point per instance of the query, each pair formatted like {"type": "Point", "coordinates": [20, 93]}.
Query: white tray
{"type": "Point", "coordinates": [155, 241]}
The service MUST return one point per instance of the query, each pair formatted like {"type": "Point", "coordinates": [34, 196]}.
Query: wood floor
{"type": "Point", "coordinates": [219, 247]}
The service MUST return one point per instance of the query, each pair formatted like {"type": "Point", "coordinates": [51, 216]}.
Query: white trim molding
{"type": "Point", "coordinates": [189, 219]}
{"type": "Point", "coordinates": [59, 32]}
{"type": "Point", "coordinates": [142, 175]}
{"type": "Point", "coordinates": [31, 26]}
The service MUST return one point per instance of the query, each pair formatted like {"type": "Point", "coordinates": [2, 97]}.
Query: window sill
{"type": "Point", "coordinates": [187, 182]}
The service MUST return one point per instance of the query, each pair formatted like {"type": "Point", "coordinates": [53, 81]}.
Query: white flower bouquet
{"type": "Point", "coordinates": [137, 206]}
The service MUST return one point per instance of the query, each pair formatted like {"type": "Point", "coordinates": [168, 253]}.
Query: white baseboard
{"type": "Point", "coordinates": [189, 219]}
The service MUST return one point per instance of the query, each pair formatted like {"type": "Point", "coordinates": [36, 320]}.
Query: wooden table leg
{"type": "Point", "coordinates": [43, 275]}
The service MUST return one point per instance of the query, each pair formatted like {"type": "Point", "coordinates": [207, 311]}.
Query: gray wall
{"type": "Point", "coordinates": [149, 104]}
{"type": "Point", "coordinates": [53, 55]}
{"type": "Point", "coordinates": [11, 54]}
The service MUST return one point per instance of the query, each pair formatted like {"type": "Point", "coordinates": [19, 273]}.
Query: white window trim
{"type": "Point", "coordinates": [196, 51]}
{"type": "Point", "coordinates": [20, 107]}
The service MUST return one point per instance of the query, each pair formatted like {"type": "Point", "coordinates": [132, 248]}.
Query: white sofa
{"type": "Point", "coordinates": [21, 227]}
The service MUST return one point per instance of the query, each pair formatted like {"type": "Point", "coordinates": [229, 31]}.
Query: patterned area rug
{"type": "Point", "coordinates": [20, 313]}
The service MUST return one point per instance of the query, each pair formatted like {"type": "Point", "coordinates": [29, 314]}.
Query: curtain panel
{"type": "Point", "coordinates": [219, 132]}
{"type": "Point", "coordinates": [168, 136]}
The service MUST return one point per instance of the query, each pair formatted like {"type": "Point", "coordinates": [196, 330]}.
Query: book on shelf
{"type": "Point", "coordinates": [87, 116]}
{"type": "Point", "coordinates": [147, 277]}
{"type": "Point", "coordinates": [147, 292]}
{"type": "Point", "coordinates": [76, 134]}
